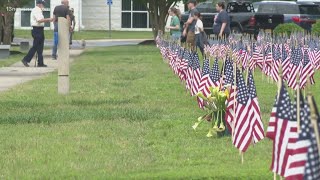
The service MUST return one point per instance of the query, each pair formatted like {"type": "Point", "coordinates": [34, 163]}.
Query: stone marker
{"type": "Point", "coordinates": [24, 46]}
{"type": "Point", "coordinates": [63, 58]}
{"type": "Point", "coordinates": [4, 51]}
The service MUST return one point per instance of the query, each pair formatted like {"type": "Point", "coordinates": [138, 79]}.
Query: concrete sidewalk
{"type": "Point", "coordinates": [89, 43]}
{"type": "Point", "coordinates": [17, 74]}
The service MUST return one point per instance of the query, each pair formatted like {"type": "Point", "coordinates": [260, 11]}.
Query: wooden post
{"type": "Point", "coordinates": [242, 158]}
{"type": "Point", "coordinates": [235, 92]}
{"type": "Point", "coordinates": [314, 120]}
{"type": "Point", "coordinates": [298, 103]}
{"type": "Point", "coordinates": [63, 58]}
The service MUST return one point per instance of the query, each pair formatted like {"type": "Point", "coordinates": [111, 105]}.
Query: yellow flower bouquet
{"type": "Point", "coordinates": [215, 106]}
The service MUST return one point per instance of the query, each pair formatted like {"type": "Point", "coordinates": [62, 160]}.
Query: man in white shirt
{"type": "Point", "coordinates": [198, 32]}
{"type": "Point", "coordinates": [37, 21]}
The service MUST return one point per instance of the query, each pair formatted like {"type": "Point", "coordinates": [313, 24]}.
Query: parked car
{"type": "Point", "coordinates": [272, 13]}
{"type": "Point", "coordinates": [241, 16]}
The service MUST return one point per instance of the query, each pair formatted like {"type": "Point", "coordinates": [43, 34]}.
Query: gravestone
{"type": "Point", "coordinates": [24, 46]}
{"type": "Point", "coordinates": [4, 51]}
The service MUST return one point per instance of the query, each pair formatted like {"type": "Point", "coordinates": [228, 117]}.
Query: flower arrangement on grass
{"type": "Point", "coordinates": [215, 106]}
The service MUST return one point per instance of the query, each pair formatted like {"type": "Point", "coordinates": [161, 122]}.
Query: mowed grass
{"type": "Point", "coordinates": [92, 35]}
{"type": "Point", "coordinates": [127, 117]}
{"type": "Point", "coordinates": [15, 56]}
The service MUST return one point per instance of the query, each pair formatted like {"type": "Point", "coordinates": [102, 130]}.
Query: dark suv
{"type": "Point", "coordinates": [269, 14]}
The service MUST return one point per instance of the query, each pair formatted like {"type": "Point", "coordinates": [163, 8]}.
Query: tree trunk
{"type": "Point", "coordinates": [158, 10]}
{"type": "Point", "coordinates": [1, 29]}
{"type": "Point", "coordinates": [8, 27]}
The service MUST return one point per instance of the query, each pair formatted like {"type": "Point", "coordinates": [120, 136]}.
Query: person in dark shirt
{"type": "Point", "coordinates": [189, 26]}
{"type": "Point", "coordinates": [59, 11]}
{"type": "Point", "coordinates": [72, 24]}
{"type": "Point", "coordinates": [221, 26]}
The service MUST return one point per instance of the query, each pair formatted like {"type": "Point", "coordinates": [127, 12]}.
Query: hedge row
{"type": "Point", "coordinates": [292, 27]}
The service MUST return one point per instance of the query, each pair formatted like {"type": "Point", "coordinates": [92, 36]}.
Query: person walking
{"type": "Point", "coordinates": [189, 26]}
{"type": "Point", "coordinates": [37, 21]}
{"type": "Point", "coordinates": [221, 26]}
{"type": "Point", "coordinates": [59, 11]}
{"type": "Point", "coordinates": [199, 32]}
{"type": "Point", "coordinates": [72, 24]}
{"type": "Point", "coordinates": [175, 30]}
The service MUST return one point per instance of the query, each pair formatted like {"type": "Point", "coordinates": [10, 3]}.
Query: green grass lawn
{"type": "Point", "coordinates": [15, 56]}
{"type": "Point", "coordinates": [92, 35]}
{"type": "Point", "coordinates": [127, 116]}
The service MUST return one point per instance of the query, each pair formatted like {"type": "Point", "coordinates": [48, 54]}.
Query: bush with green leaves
{"type": "Point", "coordinates": [316, 28]}
{"type": "Point", "coordinates": [287, 28]}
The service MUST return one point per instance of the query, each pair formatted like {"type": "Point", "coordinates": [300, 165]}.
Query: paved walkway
{"type": "Point", "coordinates": [90, 43]}
{"type": "Point", "coordinates": [18, 74]}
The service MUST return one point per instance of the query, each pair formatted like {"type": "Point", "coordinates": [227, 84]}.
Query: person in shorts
{"type": "Point", "coordinates": [189, 26]}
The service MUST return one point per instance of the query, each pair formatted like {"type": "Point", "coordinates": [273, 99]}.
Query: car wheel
{"type": "Point", "coordinates": [235, 30]}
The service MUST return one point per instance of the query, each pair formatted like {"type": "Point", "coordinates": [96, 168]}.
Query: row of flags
{"type": "Point", "coordinates": [295, 150]}
{"type": "Point", "coordinates": [273, 59]}
{"type": "Point", "coordinates": [295, 153]}
{"type": "Point", "coordinates": [243, 115]}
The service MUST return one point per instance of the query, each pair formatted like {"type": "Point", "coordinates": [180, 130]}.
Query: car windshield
{"type": "Point", "coordinates": [256, 7]}
{"type": "Point", "coordinates": [307, 9]}
{"type": "Point", "coordinates": [206, 7]}
{"type": "Point", "coordinates": [239, 7]}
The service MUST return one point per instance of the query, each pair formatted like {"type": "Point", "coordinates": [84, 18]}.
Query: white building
{"type": "Point", "coordinates": [94, 15]}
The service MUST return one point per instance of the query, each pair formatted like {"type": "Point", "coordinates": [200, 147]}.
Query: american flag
{"type": "Point", "coordinates": [189, 79]}
{"type": "Point", "coordinates": [276, 63]}
{"type": "Point", "coordinates": [267, 61]}
{"type": "Point", "coordinates": [255, 113]}
{"type": "Point", "coordinates": [307, 70]}
{"type": "Point", "coordinates": [228, 72]}
{"type": "Point", "coordinates": [242, 132]}
{"type": "Point", "coordinates": [285, 131]}
{"type": "Point", "coordinates": [205, 82]}
{"type": "Point", "coordinates": [272, 122]}
{"type": "Point", "coordinates": [255, 57]}
{"type": "Point", "coordinates": [245, 58]}
{"type": "Point", "coordinates": [285, 63]}
{"type": "Point", "coordinates": [312, 55]}
{"type": "Point", "coordinates": [298, 155]}
{"type": "Point", "coordinates": [260, 60]}
{"type": "Point", "coordinates": [312, 170]}
{"type": "Point", "coordinates": [183, 65]}
{"type": "Point", "coordinates": [296, 58]}
{"type": "Point", "coordinates": [317, 58]}
{"type": "Point", "coordinates": [196, 75]}
{"type": "Point", "coordinates": [215, 74]}
{"type": "Point", "coordinates": [229, 115]}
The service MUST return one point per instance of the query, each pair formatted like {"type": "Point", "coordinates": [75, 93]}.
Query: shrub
{"type": "Point", "coordinates": [287, 28]}
{"type": "Point", "coordinates": [316, 28]}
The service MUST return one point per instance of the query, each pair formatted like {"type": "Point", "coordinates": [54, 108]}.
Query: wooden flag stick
{"type": "Point", "coordinates": [279, 86]}
{"type": "Point", "coordinates": [314, 119]}
{"type": "Point", "coordinates": [298, 103]}
{"type": "Point", "coordinates": [264, 61]}
{"type": "Point", "coordinates": [274, 176]}
{"type": "Point", "coordinates": [222, 75]}
{"type": "Point", "coordinates": [242, 158]}
{"type": "Point", "coordinates": [234, 91]}
{"type": "Point", "coordinates": [247, 67]}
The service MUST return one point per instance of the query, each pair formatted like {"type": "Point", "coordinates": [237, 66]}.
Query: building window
{"type": "Point", "coordinates": [134, 15]}
{"type": "Point", "coordinates": [26, 12]}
